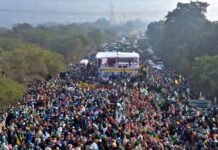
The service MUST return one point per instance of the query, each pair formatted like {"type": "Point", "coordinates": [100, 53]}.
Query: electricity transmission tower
{"type": "Point", "coordinates": [112, 14]}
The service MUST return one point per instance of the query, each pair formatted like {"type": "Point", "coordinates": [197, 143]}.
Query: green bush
{"type": "Point", "coordinates": [10, 92]}
{"type": "Point", "coordinates": [29, 62]}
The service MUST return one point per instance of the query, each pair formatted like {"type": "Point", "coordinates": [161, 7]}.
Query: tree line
{"type": "Point", "coordinates": [187, 41]}
{"type": "Point", "coordinates": [29, 53]}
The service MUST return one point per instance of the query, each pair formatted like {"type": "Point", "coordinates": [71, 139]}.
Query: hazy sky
{"type": "Point", "coordinates": [67, 11]}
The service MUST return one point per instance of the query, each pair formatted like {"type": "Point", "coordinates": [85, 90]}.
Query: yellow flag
{"type": "Point", "coordinates": [17, 141]}
{"type": "Point", "coordinates": [176, 82]}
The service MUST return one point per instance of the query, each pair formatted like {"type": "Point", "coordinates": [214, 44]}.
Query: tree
{"type": "Point", "coordinates": [27, 62]}
{"type": "Point", "coordinates": [97, 37]}
{"type": "Point", "coordinates": [183, 26]}
{"type": "Point", "coordinates": [188, 11]}
{"type": "Point", "coordinates": [10, 92]}
{"type": "Point", "coordinates": [155, 33]}
{"type": "Point", "coordinates": [179, 38]}
{"type": "Point", "coordinates": [102, 23]}
{"type": "Point", "coordinates": [73, 48]}
{"type": "Point", "coordinates": [204, 75]}
{"type": "Point", "coordinates": [19, 28]}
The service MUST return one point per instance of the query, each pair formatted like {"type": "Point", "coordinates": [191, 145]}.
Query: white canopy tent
{"type": "Point", "coordinates": [101, 55]}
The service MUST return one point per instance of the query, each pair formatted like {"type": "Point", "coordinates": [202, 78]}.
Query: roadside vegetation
{"type": "Point", "coordinates": [187, 41]}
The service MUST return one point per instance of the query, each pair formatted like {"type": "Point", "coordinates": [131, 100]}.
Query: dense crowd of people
{"type": "Point", "coordinates": [150, 112]}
